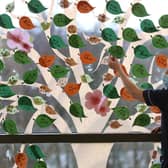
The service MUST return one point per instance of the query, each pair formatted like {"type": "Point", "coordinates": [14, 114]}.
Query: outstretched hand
{"type": "Point", "coordinates": [113, 63]}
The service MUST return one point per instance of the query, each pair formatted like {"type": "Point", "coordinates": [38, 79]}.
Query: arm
{"type": "Point", "coordinates": [136, 92]}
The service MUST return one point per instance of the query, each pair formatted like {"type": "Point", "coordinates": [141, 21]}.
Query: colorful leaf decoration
{"type": "Point", "coordinates": [57, 42]}
{"type": "Point", "coordinates": [121, 112]}
{"type": "Point", "coordinates": [148, 26]}
{"type": "Point", "coordinates": [130, 35]}
{"type": "Point", "coordinates": [25, 104]}
{"type": "Point", "coordinates": [6, 91]}
{"type": "Point", "coordinates": [109, 35]}
{"type": "Point", "coordinates": [156, 165]}
{"type": "Point", "coordinates": [125, 95]}
{"type": "Point", "coordinates": [86, 78]}
{"type": "Point", "coordinates": [50, 110]}
{"type": "Point", "coordinates": [21, 160]}
{"type": "Point", "coordinates": [139, 10]}
{"type": "Point", "coordinates": [161, 61]}
{"type": "Point", "coordinates": [87, 57]}
{"type": "Point", "coordinates": [9, 126]}
{"type": "Point", "coordinates": [34, 152]}
{"type": "Point", "coordinates": [113, 7]}
{"type": "Point", "coordinates": [35, 6]}
{"type": "Point", "coordinates": [84, 7]}
{"type": "Point", "coordinates": [142, 52]}
{"type": "Point", "coordinates": [47, 60]}
{"type": "Point", "coordinates": [115, 124]}
{"type": "Point", "coordinates": [116, 51]}
{"type": "Point", "coordinates": [146, 85]}
{"type": "Point", "coordinates": [6, 22]}
{"type": "Point", "coordinates": [72, 88]}
{"type": "Point", "coordinates": [2, 66]}
{"type": "Point", "coordinates": [21, 57]}
{"type": "Point", "coordinates": [31, 76]}
{"type": "Point", "coordinates": [43, 121]}
{"type": "Point", "coordinates": [159, 41]}
{"type": "Point", "coordinates": [76, 41]}
{"type": "Point", "coordinates": [45, 25]}
{"type": "Point", "coordinates": [110, 91]}
{"type": "Point", "coordinates": [142, 120]}
{"type": "Point", "coordinates": [58, 71]}
{"type": "Point", "coordinates": [76, 110]}
{"type": "Point", "coordinates": [163, 21]}
{"type": "Point", "coordinates": [40, 164]}
{"type": "Point", "coordinates": [38, 100]}
{"type": "Point", "coordinates": [141, 108]}
{"type": "Point", "coordinates": [139, 71]}
{"type": "Point", "coordinates": [155, 109]}
{"type": "Point", "coordinates": [26, 23]}
{"type": "Point", "coordinates": [61, 20]}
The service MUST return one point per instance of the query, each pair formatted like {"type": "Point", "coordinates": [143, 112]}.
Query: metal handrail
{"type": "Point", "coordinates": [80, 138]}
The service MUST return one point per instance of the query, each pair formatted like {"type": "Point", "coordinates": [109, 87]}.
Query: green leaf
{"type": "Point", "coordinates": [139, 10]}
{"type": "Point", "coordinates": [34, 152]}
{"type": "Point", "coordinates": [156, 165]}
{"type": "Point", "coordinates": [6, 91]}
{"type": "Point", "coordinates": [146, 85]}
{"type": "Point", "coordinates": [57, 42]}
{"type": "Point", "coordinates": [86, 78]}
{"type": "Point", "coordinates": [109, 35]}
{"type": "Point", "coordinates": [45, 25]}
{"type": "Point", "coordinates": [10, 126]}
{"type": "Point", "coordinates": [141, 108]}
{"type": "Point", "coordinates": [142, 52]}
{"type": "Point", "coordinates": [36, 6]}
{"type": "Point", "coordinates": [76, 41]}
{"type": "Point", "coordinates": [142, 120]}
{"type": "Point", "coordinates": [10, 7]}
{"type": "Point", "coordinates": [61, 20]}
{"type": "Point", "coordinates": [121, 112]}
{"type": "Point", "coordinates": [2, 66]}
{"type": "Point", "coordinates": [38, 100]}
{"type": "Point", "coordinates": [40, 164]}
{"type": "Point", "coordinates": [148, 26]}
{"type": "Point", "coordinates": [44, 121]}
{"type": "Point", "coordinates": [139, 71]}
{"type": "Point", "coordinates": [31, 76]}
{"type": "Point", "coordinates": [130, 35]}
{"type": "Point", "coordinates": [76, 110]}
{"type": "Point", "coordinates": [159, 41]}
{"type": "Point", "coordinates": [163, 21]}
{"type": "Point", "coordinates": [116, 51]}
{"type": "Point", "coordinates": [58, 71]}
{"type": "Point", "coordinates": [113, 7]}
{"type": "Point", "coordinates": [21, 57]}
{"type": "Point", "coordinates": [110, 91]}
{"type": "Point", "coordinates": [25, 104]}
{"type": "Point", "coordinates": [6, 21]}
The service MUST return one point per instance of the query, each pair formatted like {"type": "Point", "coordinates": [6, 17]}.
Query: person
{"type": "Point", "coordinates": [152, 97]}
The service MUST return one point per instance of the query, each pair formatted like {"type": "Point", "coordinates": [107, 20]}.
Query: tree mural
{"type": "Point", "coordinates": [55, 77]}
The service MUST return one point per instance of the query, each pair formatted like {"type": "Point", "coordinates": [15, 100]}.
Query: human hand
{"type": "Point", "coordinates": [113, 63]}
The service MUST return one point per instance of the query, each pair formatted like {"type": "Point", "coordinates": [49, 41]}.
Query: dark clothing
{"type": "Point", "coordinates": [160, 98]}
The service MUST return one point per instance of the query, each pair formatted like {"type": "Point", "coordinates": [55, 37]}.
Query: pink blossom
{"type": "Point", "coordinates": [98, 102]}
{"type": "Point", "coordinates": [19, 39]}
{"type": "Point", "coordinates": [93, 99]}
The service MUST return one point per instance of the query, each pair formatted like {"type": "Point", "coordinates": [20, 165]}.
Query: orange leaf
{"type": "Point", "coordinates": [45, 89]}
{"type": "Point", "coordinates": [21, 160]}
{"type": "Point", "coordinates": [46, 60]}
{"type": "Point", "coordinates": [50, 110]}
{"type": "Point", "coordinates": [126, 95]}
{"type": "Point", "coordinates": [87, 57]}
{"type": "Point", "coordinates": [72, 88]}
{"type": "Point", "coordinates": [26, 23]}
{"type": "Point", "coordinates": [72, 29]}
{"type": "Point", "coordinates": [94, 40]}
{"type": "Point", "coordinates": [154, 109]}
{"type": "Point", "coordinates": [161, 61]}
{"type": "Point", "coordinates": [70, 61]}
{"type": "Point", "coordinates": [115, 124]}
{"type": "Point", "coordinates": [64, 3]}
{"type": "Point", "coordinates": [124, 69]}
{"type": "Point", "coordinates": [84, 7]}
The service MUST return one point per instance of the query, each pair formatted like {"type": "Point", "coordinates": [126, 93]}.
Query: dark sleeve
{"type": "Point", "coordinates": [158, 97]}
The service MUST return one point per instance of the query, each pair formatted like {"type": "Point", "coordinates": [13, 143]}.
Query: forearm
{"type": "Point", "coordinates": [135, 91]}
